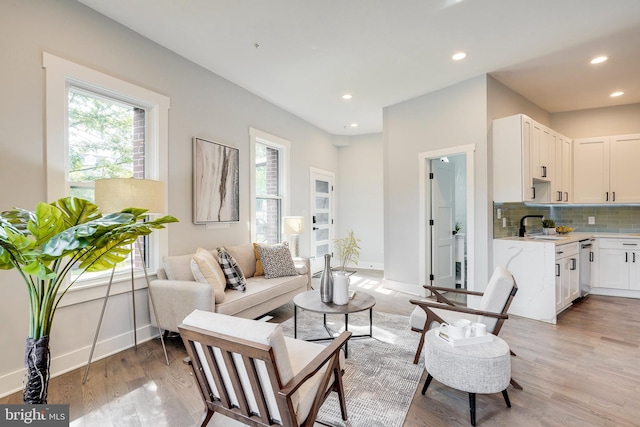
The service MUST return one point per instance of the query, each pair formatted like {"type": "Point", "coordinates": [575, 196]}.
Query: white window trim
{"type": "Point", "coordinates": [59, 74]}
{"type": "Point", "coordinates": [284, 147]}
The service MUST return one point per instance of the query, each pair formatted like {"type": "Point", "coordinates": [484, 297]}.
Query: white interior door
{"type": "Point", "coordinates": [442, 214]}
{"type": "Point", "coordinates": [321, 217]}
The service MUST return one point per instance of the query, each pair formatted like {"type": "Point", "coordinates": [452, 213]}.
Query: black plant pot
{"type": "Point", "coordinates": [37, 359]}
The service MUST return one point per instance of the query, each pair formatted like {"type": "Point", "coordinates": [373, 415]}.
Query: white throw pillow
{"type": "Point", "coordinates": [206, 269]}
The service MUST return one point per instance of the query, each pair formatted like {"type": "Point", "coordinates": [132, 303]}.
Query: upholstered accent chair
{"type": "Point", "coordinates": [249, 371]}
{"type": "Point", "coordinates": [492, 310]}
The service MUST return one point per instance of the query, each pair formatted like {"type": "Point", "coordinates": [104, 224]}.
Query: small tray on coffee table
{"type": "Point", "coordinates": [465, 341]}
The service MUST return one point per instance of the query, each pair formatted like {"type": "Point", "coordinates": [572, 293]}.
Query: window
{"type": "Point", "coordinates": [102, 127]}
{"type": "Point", "coordinates": [269, 186]}
{"type": "Point", "coordinates": [106, 140]}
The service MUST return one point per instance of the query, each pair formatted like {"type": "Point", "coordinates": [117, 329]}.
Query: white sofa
{"type": "Point", "coordinates": [176, 293]}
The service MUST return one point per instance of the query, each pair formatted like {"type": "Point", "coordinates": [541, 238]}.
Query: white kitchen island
{"type": "Point", "coordinates": [532, 264]}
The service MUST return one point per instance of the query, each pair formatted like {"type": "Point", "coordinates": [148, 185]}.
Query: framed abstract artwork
{"type": "Point", "coordinates": [216, 170]}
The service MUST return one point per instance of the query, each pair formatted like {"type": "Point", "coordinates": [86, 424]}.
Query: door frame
{"type": "Point", "coordinates": [332, 213]}
{"type": "Point", "coordinates": [424, 231]}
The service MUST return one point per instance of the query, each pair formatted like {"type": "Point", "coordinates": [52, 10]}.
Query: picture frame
{"type": "Point", "coordinates": [216, 187]}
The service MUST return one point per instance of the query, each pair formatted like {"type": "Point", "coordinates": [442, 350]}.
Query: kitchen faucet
{"type": "Point", "coordinates": [522, 230]}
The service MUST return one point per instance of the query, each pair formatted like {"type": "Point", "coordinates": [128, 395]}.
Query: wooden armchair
{"type": "Point", "coordinates": [249, 371]}
{"type": "Point", "coordinates": [492, 310]}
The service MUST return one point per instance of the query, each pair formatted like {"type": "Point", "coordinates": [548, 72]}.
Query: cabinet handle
{"type": "Point", "coordinates": [607, 197]}
{"type": "Point", "coordinates": [590, 256]}
{"type": "Point", "coordinates": [557, 270]}
{"type": "Point", "coordinates": [566, 196]}
{"type": "Point", "coordinates": [629, 244]}
{"type": "Point", "coordinates": [559, 196]}
{"type": "Point", "coordinates": [534, 192]}
{"type": "Point", "coordinates": [544, 171]}
{"type": "Point", "coordinates": [573, 264]}
{"type": "Point", "coordinates": [559, 252]}
{"type": "Point", "coordinates": [614, 196]}
{"type": "Point", "coordinates": [634, 257]}
{"type": "Point", "coordinates": [626, 257]}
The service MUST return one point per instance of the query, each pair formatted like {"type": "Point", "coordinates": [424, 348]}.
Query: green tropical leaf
{"type": "Point", "coordinates": [77, 211]}
{"type": "Point", "coordinates": [38, 269]}
{"type": "Point", "coordinates": [47, 223]}
{"type": "Point", "coordinates": [106, 257]}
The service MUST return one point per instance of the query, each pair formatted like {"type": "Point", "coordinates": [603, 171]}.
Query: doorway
{"type": "Point", "coordinates": [322, 209]}
{"type": "Point", "coordinates": [446, 217]}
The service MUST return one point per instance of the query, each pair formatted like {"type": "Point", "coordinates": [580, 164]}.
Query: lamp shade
{"type": "Point", "coordinates": [293, 224]}
{"type": "Point", "coordinates": [115, 194]}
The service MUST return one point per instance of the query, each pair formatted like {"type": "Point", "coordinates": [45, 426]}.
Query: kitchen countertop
{"type": "Point", "coordinates": [561, 239]}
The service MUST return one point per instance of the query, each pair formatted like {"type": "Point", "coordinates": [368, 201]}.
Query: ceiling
{"type": "Point", "coordinates": [303, 55]}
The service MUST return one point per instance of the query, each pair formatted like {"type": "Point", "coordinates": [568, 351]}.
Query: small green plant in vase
{"type": "Point", "coordinates": [548, 226]}
{"type": "Point", "coordinates": [348, 252]}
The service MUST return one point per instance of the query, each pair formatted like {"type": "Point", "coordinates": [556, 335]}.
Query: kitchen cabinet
{"type": "Point", "coordinates": [522, 160]}
{"type": "Point", "coordinates": [561, 183]}
{"type": "Point", "coordinates": [567, 275]}
{"type": "Point", "coordinates": [605, 169]}
{"type": "Point", "coordinates": [619, 264]}
{"type": "Point", "coordinates": [624, 168]}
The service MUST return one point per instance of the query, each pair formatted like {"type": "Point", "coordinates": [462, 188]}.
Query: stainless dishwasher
{"type": "Point", "coordinates": [586, 258]}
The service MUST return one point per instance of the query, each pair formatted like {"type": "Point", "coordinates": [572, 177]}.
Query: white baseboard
{"type": "Point", "coordinates": [12, 382]}
{"type": "Point", "coordinates": [407, 288]}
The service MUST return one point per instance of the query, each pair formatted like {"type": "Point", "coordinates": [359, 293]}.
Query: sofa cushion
{"type": "Point", "coordinates": [178, 267]}
{"type": "Point", "coordinates": [259, 290]}
{"type": "Point", "coordinates": [206, 269]}
{"type": "Point", "coordinates": [256, 252]}
{"type": "Point", "coordinates": [233, 273]}
{"type": "Point", "coordinates": [277, 261]}
{"type": "Point", "coordinates": [245, 257]}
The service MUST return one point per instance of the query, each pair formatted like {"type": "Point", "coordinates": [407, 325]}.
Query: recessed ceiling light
{"type": "Point", "coordinates": [599, 59]}
{"type": "Point", "coordinates": [618, 93]}
{"type": "Point", "coordinates": [458, 56]}
{"type": "Point", "coordinates": [354, 125]}
{"type": "Point", "coordinates": [347, 96]}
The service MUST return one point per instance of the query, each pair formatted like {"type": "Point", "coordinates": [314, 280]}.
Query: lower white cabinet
{"type": "Point", "coordinates": [567, 275]}
{"type": "Point", "coordinates": [619, 266]}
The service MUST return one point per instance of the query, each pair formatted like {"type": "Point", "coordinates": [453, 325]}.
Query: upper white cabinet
{"type": "Point", "coordinates": [605, 169]}
{"type": "Point", "coordinates": [561, 184]}
{"type": "Point", "coordinates": [529, 164]}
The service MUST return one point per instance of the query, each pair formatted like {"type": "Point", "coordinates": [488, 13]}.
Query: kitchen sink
{"type": "Point", "coordinates": [548, 237]}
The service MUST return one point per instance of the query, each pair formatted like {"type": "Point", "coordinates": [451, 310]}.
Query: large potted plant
{"type": "Point", "coordinates": [348, 252]}
{"type": "Point", "coordinates": [44, 246]}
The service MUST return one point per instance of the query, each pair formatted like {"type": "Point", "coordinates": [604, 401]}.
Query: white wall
{"type": "Point", "coordinates": [202, 104]}
{"type": "Point", "coordinates": [451, 117]}
{"type": "Point", "coordinates": [360, 196]}
{"type": "Point", "coordinates": [620, 120]}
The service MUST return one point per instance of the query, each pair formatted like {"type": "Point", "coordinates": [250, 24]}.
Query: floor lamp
{"type": "Point", "coordinates": [293, 226]}
{"type": "Point", "coordinates": [113, 195]}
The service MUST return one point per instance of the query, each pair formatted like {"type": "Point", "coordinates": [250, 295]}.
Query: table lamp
{"type": "Point", "coordinates": [293, 226]}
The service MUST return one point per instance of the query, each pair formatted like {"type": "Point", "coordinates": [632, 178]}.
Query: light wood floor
{"type": "Point", "coordinates": [584, 371]}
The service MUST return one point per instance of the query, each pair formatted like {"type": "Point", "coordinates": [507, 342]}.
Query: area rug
{"type": "Point", "coordinates": [380, 377]}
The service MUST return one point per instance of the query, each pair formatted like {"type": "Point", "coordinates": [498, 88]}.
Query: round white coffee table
{"type": "Point", "coordinates": [310, 301]}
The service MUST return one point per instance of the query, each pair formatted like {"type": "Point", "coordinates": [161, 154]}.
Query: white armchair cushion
{"type": "Point", "coordinates": [495, 296]}
{"type": "Point", "coordinates": [259, 332]}
{"type": "Point", "coordinates": [206, 269]}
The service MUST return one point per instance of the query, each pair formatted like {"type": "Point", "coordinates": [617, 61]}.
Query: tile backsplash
{"type": "Point", "coordinates": [609, 219]}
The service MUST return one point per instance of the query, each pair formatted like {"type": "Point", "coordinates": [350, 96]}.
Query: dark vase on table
{"type": "Point", "coordinates": [326, 281]}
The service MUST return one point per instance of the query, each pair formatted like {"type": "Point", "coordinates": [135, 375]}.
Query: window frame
{"type": "Point", "coordinates": [284, 147]}
{"type": "Point", "coordinates": [59, 75]}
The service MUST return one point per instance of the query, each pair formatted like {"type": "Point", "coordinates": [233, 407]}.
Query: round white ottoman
{"type": "Point", "coordinates": [476, 368]}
